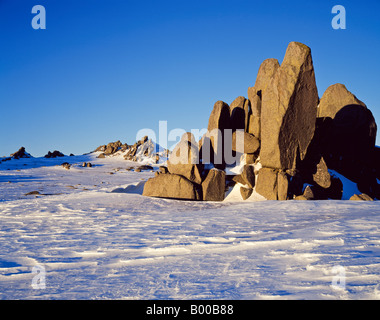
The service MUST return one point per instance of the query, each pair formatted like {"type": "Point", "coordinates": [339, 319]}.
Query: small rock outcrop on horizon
{"type": "Point", "coordinates": [112, 148]}
{"type": "Point", "coordinates": [281, 143]}
{"type": "Point", "coordinates": [141, 150]}
{"type": "Point", "coordinates": [21, 153]}
{"type": "Point", "coordinates": [54, 154]}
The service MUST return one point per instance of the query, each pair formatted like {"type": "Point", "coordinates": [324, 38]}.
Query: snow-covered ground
{"type": "Point", "coordinates": [93, 243]}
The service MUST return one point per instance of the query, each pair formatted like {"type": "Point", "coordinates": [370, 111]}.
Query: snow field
{"type": "Point", "coordinates": [97, 244]}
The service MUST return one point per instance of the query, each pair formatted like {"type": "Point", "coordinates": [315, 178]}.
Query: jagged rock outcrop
{"type": "Point", "coordinates": [289, 110]}
{"type": "Point", "coordinates": [293, 145]}
{"type": "Point", "coordinates": [132, 150]}
{"type": "Point", "coordinates": [54, 154]}
{"type": "Point", "coordinates": [265, 75]}
{"type": "Point", "coordinates": [112, 147]}
{"type": "Point", "coordinates": [139, 151]}
{"type": "Point", "coordinates": [21, 153]}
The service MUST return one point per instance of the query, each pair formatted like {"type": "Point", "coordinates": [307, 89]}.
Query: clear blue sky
{"type": "Point", "coordinates": [102, 70]}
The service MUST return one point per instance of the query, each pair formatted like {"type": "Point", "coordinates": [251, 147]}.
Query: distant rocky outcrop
{"type": "Point", "coordinates": [21, 153]}
{"type": "Point", "coordinates": [143, 149]}
{"type": "Point", "coordinates": [293, 145]}
{"type": "Point", "coordinates": [54, 154]}
{"type": "Point", "coordinates": [112, 147]}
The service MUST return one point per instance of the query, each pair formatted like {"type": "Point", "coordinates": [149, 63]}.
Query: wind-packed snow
{"type": "Point", "coordinates": [97, 237]}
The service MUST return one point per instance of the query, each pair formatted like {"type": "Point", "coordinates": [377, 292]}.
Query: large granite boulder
{"type": "Point", "coordinates": [239, 111]}
{"type": "Point", "coordinates": [267, 185]}
{"type": "Point", "coordinates": [352, 130]}
{"type": "Point", "coordinates": [335, 98]}
{"type": "Point", "coordinates": [266, 72]}
{"type": "Point", "coordinates": [184, 160]}
{"type": "Point", "coordinates": [245, 192]}
{"type": "Point", "coordinates": [172, 186]}
{"type": "Point", "coordinates": [213, 187]}
{"type": "Point", "coordinates": [345, 137]}
{"type": "Point", "coordinates": [282, 186]}
{"type": "Point", "coordinates": [352, 146]}
{"type": "Point", "coordinates": [289, 110]}
{"type": "Point", "coordinates": [250, 143]}
{"type": "Point", "coordinates": [248, 176]}
{"type": "Point", "coordinates": [273, 184]}
{"type": "Point", "coordinates": [220, 117]}
{"type": "Point", "coordinates": [211, 145]}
